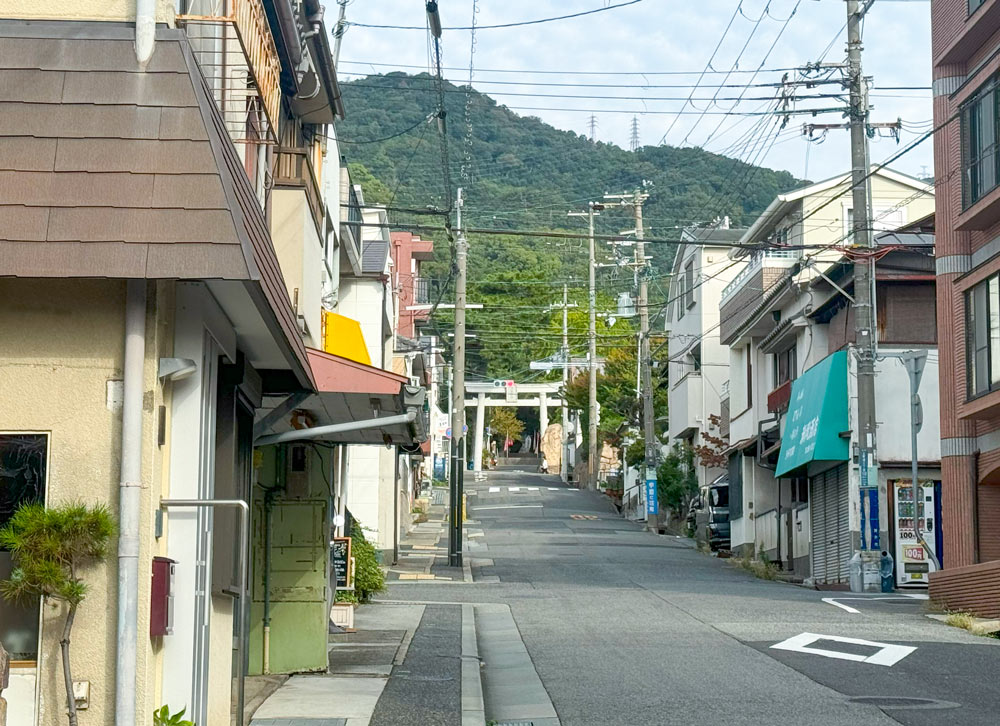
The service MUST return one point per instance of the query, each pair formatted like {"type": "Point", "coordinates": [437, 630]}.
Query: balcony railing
{"type": "Point", "coordinates": [236, 53]}
{"type": "Point", "coordinates": [756, 262]}
{"type": "Point", "coordinates": [351, 218]}
{"type": "Point", "coordinates": [777, 400]}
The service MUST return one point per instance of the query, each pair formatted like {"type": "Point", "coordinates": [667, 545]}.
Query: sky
{"type": "Point", "coordinates": [668, 43]}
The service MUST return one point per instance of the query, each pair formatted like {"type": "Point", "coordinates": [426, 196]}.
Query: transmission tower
{"type": "Point", "coordinates": [633, 143]}
{"type": "Point", "coordinates": [592, 124]}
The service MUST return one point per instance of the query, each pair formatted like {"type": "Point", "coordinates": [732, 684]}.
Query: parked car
{"type": "Point", "coordinates": [709, 514]}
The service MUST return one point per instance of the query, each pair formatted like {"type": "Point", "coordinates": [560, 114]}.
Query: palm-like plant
{"type": "Point", "coordinates": [51, 548]}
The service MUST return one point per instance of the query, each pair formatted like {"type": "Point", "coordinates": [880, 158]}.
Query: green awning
{"type": "Point", "coordinates": [817, 415]}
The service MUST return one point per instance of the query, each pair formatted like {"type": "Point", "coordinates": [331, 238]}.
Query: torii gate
{"type": "Point", "coordinates": [490, 393]}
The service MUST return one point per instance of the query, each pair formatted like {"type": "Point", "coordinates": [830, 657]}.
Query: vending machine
{"type": "Point", "coordinates": [913, 515]}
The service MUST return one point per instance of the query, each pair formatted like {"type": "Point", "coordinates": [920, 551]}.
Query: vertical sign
{"type": "Point", "coordinates": [652, 503]}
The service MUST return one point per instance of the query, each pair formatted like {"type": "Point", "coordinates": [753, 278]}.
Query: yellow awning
{"type": "Point", "coordinates": [342, 337]}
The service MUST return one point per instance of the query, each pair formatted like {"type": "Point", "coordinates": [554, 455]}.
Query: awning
{"type": "Point", "coordinates": [817, 415]}
{"type": "Point", "coordinates": [342, 337]}
{"type": "Point", "coordinates": [351, 392]}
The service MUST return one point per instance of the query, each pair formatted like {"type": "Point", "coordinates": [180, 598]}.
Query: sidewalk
{"type": "Point", "coordinates": [404, 664]}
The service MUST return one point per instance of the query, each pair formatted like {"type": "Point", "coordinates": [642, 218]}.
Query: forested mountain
{"type": "Point", "coordinates": [519, 173]}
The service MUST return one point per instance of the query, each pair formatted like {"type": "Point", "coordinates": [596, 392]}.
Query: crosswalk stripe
{"type": "Point", "coordinates": [553, 489]}
{"type": "Point", "coordinates": [494, 490]}
{"type": "Point", "coordinates": [513, 489]}
{"type": "Point", "coordinates": [532, 489]}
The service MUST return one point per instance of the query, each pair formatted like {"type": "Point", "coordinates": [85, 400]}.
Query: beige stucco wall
{"type": "Point", "coordinates": [300, 255]}
{"type": "Point", "coordinates": [114, 10]}
{"type": "Point", "coordinates": [62, 342]}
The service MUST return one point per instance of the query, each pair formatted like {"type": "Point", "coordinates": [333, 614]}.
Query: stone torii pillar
{"type": "Point", "coordinates": [477, 452]}
{"type": "Point", "coordinates": [543, 416]}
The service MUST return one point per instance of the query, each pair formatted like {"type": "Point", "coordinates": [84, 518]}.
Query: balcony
{"type": "Point", "coordinates": [686, 406]}
{"type": "Point", "coordinates": [237, 56]}
{"type": "Point", "coordinates": [297, 169]}
{"type": "Point", "coordinates": [777, 400]}
{"type": "Point", "coordinates": [741, 297]}
{"type": "Point", "coordinates": [423, 291]}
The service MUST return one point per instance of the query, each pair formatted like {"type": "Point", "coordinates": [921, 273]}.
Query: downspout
{"type": "Point", "coordinates": [145, 30]}
{"type": "Point", "coordinates": [129, 490]}
{"type": "Point", "coordinates": [269, 496]}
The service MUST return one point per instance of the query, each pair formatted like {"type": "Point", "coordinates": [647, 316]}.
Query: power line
{"type": "Point", "coordinates": [537, 71]}
{"type": "Point", "coordinates": [500, 25]}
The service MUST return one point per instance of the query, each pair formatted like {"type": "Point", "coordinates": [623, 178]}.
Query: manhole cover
{"type": "Point", "coordinates": [903, 702]}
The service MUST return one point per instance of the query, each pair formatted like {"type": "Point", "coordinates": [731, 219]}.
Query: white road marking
{"type": "Point", "coordinates": [888, 654]}
{"type": "Point", "coordinates": [853, 611]}
{"type": "Point", "coordinates": [494, 490]}
{"type": "Point", "coordinates": [840, 605]}
{"type": "Point", "coordinates": [553, 489]}
{"type": "Point", "coordinates": [512, 506]}
{"type": "Point", "coordinates": [532, 489]}
{"type": "Point", "coordinates": [513, 489]}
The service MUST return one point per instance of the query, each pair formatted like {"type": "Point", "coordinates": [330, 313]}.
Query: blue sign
{"type": "Point", "coordinates": [652, 503]}
{"type": "Point", "coordinates": [439, 463]}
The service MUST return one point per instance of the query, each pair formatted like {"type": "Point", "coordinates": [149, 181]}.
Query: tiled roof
{"type": "Point", "coordinates": [110, 170]}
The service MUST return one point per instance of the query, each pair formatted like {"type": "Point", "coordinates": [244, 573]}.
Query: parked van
{"type": "Point", "coordinates": [709, 514]}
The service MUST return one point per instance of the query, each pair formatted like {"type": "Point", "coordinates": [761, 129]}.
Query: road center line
{"type": "Point", "coordinates": [512, 506]}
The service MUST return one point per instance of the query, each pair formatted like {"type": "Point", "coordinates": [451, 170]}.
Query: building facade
{"type": "Point", "coordinates": [965, 67]}
{"type": "Point", "coordinates": [788, 317]}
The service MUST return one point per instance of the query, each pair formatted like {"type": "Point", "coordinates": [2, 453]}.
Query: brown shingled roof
{"type": "Point", "coordinates": [109, 170]}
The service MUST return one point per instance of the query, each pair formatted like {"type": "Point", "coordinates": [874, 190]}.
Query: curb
{"type": "Point", "coordinates": [473, 709]}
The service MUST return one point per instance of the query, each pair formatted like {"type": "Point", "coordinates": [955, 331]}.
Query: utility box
{"type": "Point", "coordinates": [161, 608]}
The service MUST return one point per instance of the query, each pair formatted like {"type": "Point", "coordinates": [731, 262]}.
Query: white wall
{"type": "Point", "coordinates": [361, 298]}
{"type": "Point", "coordinates": [892, 410]}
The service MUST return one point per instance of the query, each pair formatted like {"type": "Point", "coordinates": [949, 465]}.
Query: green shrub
{"type": "Point", "coordinates": [369, 580]}
{"type": "Point", "coordinates": [163, 717]}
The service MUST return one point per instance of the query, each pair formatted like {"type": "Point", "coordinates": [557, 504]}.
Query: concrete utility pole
{"type": "Point", "coordinates": [457, 483]}
{"type": "Point", "coordinates": [864, 313]}
{"type": "Point", "coordinates": [593, 457]}
{"type": "Point", "coordinates": [563, 456]}
{"type": "Point", "coordinates": [636, 200]}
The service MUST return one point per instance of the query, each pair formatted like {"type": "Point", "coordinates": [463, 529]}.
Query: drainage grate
{"type": "Point", "coordinates": [903, 702]}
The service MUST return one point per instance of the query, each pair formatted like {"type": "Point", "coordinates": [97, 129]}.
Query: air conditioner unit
{"type": "Point", "coordinates": [303, 326]}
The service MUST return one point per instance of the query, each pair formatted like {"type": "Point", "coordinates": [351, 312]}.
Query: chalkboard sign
{"type": "Point", "coordinates": [340, 551]}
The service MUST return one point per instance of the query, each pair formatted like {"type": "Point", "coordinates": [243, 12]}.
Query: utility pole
{"type": "Point", "coordinates": [636, 200]}
{"type": "Point", "coordinates": [563, 458]}
{"type": "Point", "coordinates": [457, 483]}
{"type": "Point", "coordinates": [864, 313]}
{"type": "Point", "coordinates": [593, 460]}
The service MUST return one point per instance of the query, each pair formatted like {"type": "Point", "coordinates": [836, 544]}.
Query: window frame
{"type": "Point", "coordinates": [790, 354]}
{"type": "Point", "coordinates": [972, 6]}
{"type": "Point", "coordinates": [986, 96]}
{"type": "Point", "coordinates": [46, 488]}
{"type": "Point", "coordinates": [688, 275]}
{"type": "Point", "coordinates": [982, 357]}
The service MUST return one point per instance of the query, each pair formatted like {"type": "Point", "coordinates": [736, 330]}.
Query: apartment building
{"type": "Point", "coordinates": [964, 37]}
{"type": "Point", "coordinates": [698, 370]}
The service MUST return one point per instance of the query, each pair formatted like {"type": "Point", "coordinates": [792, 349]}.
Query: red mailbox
{"type": "Point", "coordinates": [161, 608]}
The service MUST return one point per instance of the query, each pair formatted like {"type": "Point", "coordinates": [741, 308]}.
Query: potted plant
{"type": "Point", "coordinates": [51, 549]}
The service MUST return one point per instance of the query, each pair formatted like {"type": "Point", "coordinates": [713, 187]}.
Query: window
{"type": "Point", "coordinates": [696, 358]}
{"type": "Point", "coordinates": [785, 366]}
{"type": "Point", "coordinates": [974, 5]}
{"type": "Point", "coordinates": [982, 336]}
{"type": "Point", "coordinates": [979, 144]}
{"type": "Point", "coordinates": [749, 361]}
{"type": "Point", "coordinates": [689, 284]}
{"type": "Point", "coordinates": [23, 464]}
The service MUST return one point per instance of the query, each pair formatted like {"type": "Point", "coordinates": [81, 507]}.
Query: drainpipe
{"type": "Point", "coordinates": [129, 490]}
{"type": "Point", "coordinates": [145, 30]}
{"type": "Point", "coordinates": [269, 497]}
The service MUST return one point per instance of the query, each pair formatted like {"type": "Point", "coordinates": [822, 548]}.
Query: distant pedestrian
{"type": "Point", "coordinates": [544, 466]}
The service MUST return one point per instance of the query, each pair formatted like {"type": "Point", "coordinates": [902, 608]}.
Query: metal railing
{"type": "Point", "coordinates": [351, 226]}
{"type": "Point", "coordinates": [754, 265]}
{"type": "Point", "coordinates": [237, 56]}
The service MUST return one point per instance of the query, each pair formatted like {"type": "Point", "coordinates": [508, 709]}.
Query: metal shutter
{"type": "Point", "coordinates": [817, 521]}
{"type": "Point", "coordinates": [838, 478]}
{"type": "Point", "coordinates": [829, 516]}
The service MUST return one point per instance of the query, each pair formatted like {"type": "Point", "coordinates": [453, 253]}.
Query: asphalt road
{"type": "Point", "coordinates": [627, 627]}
